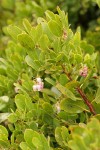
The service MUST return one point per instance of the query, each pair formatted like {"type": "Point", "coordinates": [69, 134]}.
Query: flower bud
{"type": "Point", "coordinates": [38, 80]}
{"type": "Point", "coordinates": [39, 85]}
{"type": "Point", "coordinates": [35, 87]}
{"type": "Point", "coordinates": [16, 89]}
{"type": "Point", "coordinates": [39, 88]}
{"type": "Point", "coordinates": [84, 71]}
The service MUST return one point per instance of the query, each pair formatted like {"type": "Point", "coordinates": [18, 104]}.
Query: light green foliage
{"type": "Point", "coordinates": [13, 11]}
{"type": "Point", "coordinates": [4, 143]}
{"type": "Point", "coordinates": [52, 52]}
{"type": "Point", "coordinates": [35, 140]}
{"type": "Point", "coordinates": [82, 136]}
{"type": "Point", "coordinates": [86, 137]}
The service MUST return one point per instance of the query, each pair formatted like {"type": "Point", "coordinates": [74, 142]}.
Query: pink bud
{"type": "Point", "coordinates": [84, 71]}
{"type": "Point", "coordinates": [16, 89]}
{"type": "Point", "coordinates": [35, 87]}
{"type": "Point", "coordinates": [39, 87]}
{"type": "Point", "coordinates": [38, 80]}
{"type": "Point", "coordinates": [41, 84]}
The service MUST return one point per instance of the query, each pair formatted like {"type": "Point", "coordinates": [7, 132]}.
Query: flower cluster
{"type": "Point", "coordinates": [84, 71]}
{"type": "Point", "coordinates": [39, 85]}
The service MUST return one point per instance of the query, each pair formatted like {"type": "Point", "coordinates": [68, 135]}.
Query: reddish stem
{"type": "Point", "coordinates": [82, 94]}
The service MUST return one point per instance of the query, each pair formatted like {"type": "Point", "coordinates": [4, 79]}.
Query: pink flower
{"type": "Point", "coordinates": [16, 89]}
{"type": "Point", "coordinates": [39, 85]}
{"type": "Point", "coordinates": [84, 71]}
{"type": "Point", "coordinates": [35, 88]}
{"type": "Point", "coordinates": [38, 80]}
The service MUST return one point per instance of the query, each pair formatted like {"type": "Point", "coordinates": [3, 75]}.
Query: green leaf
{"type": "Point", "coordinates": [37, 143]}
{"type": "Point", "coordinates": [33, 125]}
{"type": "Point", "coordinates": [4, 137]}
{"type": "Point", "coordinates": [14, 31]}
{"type": "Point", "coordinates": [13, 118]}
{"type": "Point", "coordinates": [87, 47]}
{"type": "Point", "coordinates": [59, 57]}
{"type": "Point", "coordinates": [71, 106]}
{"type": "Point", "coordinates": [27, 25]}
{"type": "Point", "coordinates": [20, 102]}
{"type": "Point", "coordinates": [45, 28]}
{"type": "Point", "coordinates": [24, 146]}
{"type": "Point", "coordinates": [77, 37]}
{"type": "Point", "coordinates": [65, 134]}
{"type": "Point", "coordinates": [31, 63]}
{"type": "Point", "coordinates": [97, 98]}
{"type": "Point", "coordinates": [87, 58]}
{"type": "Point", "coordinates": [63, 79]}
{"type": "Point", "coordinates": [36, 140]}
{"type": "Point", "coordinates": [23, 102]}
{"type": "Point", "coordinates": [94, 124]}
{"type": "Point", "coordinates": [27, 83]}
{"type": "Point", "coordinates": [85, 134]}
{"type": "Point", "coordinates": [28, 136]}
{"type": "Point", "coordinates": [55, 28]}
{"type": "Point", "coordinates": [26, 41]}
{"type": "Point", "coordinates": [36, 33]}
{"type": "Point", "coordinates": [48, 92]}
{"type": "Point", "coordinates": [52, 54]}
{"type": "Point", "coordinates": [50, 15]}
{"type": "Point", "coordinates": [51, 81]}
{"type": "Point", "coordinates": [73, 84]}
{"type": "Point", "coordinates": [4, 131]}
{"type": "Point", "coordinates": [77, 144]}
{"type": "Point", "coordinates": [66, 92]}
{"type": "Point", "coordinates": [63, 17]}
{"type": "Point", "coordinates": [62, 136]}
{"type": "Point", "coordinates": [58, 136]}
{"type": "Point", "coordinates": [44, 42]}
{"type": "Point", "coordinates": [47, 108]}
{"type": "Point", "coordinates": [40, 142]}
{"type": "Point", "coordinates": [28, 103]}
{"type": "Point", "coordinates": [78, 58]}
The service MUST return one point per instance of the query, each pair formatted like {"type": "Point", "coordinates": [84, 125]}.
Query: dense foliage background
{"type": "Point", "coordinates": [49, 75]}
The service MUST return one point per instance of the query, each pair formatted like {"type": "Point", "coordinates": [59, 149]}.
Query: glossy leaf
{"type": "Point", "coordinates": [27, 25]}
{"type": "Point", "coordinates": [26, 41]}
{"type": "Point", "coordinates": [71, 106]}
{"type": "Point", "coordinates": [66, 92]}
{"type": "Point", "coordinates": [31, 63]}
{"type": "Point", "coordinates": [55, 28]}
{"type": "Point", "coordinates": [14, 31]}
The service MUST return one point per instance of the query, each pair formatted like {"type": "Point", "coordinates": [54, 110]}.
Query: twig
{"type": "Point", "coordinates": [82, 94]}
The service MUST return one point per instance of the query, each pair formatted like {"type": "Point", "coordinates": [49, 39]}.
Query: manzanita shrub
{"type": "Point", "coordinates": [12, 11]}
{"type": "Point", "coordinates": [50, 81]}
